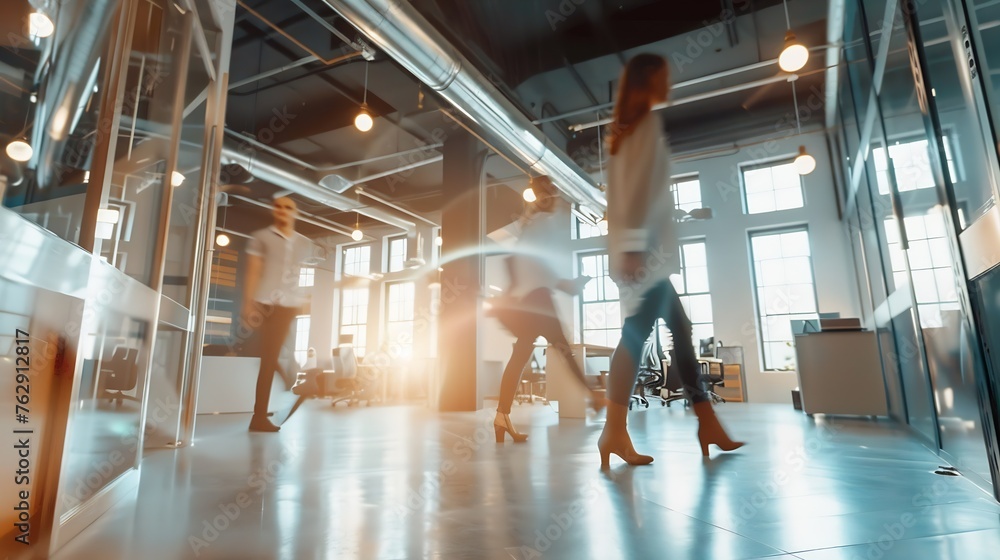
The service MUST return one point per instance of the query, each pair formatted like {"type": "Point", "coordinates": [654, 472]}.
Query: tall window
{"type": "Point", "coordinates": [687, 192]}
{"type": "Point", "coordinates": [585, 231]}
{"type": "Point", "coordinates": [911, 164]}
{"type": "Point", "coordinates": [783, 280]}
{"type": "Point", "coordinates": [930, 265]}
{"type": "Point", "coordinates": [354, 317]}
{"type": "Point", "coordinates": [307, 277]}
{"type": "Point", "coordinates": [600, 311]}
{"type": "Point", "coordinates": [773, 187]}
{"type": "Point", "coordinates": [692, 287]}
{"type": "Point", "coordinates": [399, 323]}
{"type": "Point", "coordinates": [301, 338]}
{"type": "Point", "coordinates": [357, 260]}
{"type": "Point", "coordinates": [397, 253]}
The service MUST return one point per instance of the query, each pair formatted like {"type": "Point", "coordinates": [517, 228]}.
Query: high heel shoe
{"type": "Point", "coordinates": [622, 447]}
{"type": "Point", "coordinates": [503, 424]}
{"type": "Point", "coordinates": [615, 438]}
{"type": "Point", "coordinates": [711, 431]}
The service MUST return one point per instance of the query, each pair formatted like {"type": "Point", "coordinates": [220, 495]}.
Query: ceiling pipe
{"type": "Point", "coordinates": [280, 173]}
{"type": "Point", "coordinates": [399, 30]}
{"type": "Point", "coordinates": [302, 217]}
{"type": "Point", "coordinates": [81, 27]}
{"type": "Point", "coordinates": [394, 206]}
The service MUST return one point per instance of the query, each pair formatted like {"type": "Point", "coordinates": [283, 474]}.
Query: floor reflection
{"type": "Point", "coordinates": [404, 482]}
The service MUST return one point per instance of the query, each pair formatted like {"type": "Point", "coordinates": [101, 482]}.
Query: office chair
{"type": "Point", "coordinates": [651, 374]}
{"type": "Point", "coordinates": [673, 386]}
{"type": "Point", "coordinates": [347, 386]}
{"type": "Point", "coordinates": [119, 374]}
{"type": "Point", "coordinates": [708, 348]}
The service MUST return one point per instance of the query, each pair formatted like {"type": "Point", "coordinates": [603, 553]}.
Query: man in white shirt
{"type": "Point", "coordinates": [272, 297]}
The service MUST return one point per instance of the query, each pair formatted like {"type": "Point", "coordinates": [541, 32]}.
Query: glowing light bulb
{"type": "Point", "coordinates": [19, 150]}
{"type": "Point", "coordinates": [529, 195]}
{"type": "Point", "coordinates": [39, 25]}
{"type": "Point", "coordinates": [363, 121]}
{"type": "Point", "coordinates": [795, 55]}
{"type": "Point", "coordinates": [176, 179]}
{"type": "Point", "coordinates": [804, 163]}
{"type": "Point", "coordinates": [357, 235]}
{"type": "Point", "coordinates": [222, 240]}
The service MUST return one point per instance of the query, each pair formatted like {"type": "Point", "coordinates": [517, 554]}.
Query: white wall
{"type": "Point", "coordinates": [729, 261]}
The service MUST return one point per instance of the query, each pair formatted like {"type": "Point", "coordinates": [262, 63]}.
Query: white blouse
{"type": "Point", "coordinates": [539, 243]}
{"type": "Point", "coordinates": [640, 211]}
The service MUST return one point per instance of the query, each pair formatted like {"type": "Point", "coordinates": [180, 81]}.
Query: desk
{"type": "Point", "coordinates": [228, 384]}
{"type": "Point", "coordinates": [840, 372]}
{"type": "Point", "coordinates": [562, 386]}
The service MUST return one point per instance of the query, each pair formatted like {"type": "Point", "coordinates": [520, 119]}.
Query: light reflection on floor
{"type": "Point", "coordinates": [405, 482]}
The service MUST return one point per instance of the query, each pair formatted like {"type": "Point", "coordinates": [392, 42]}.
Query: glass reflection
{"type": "Point", "coordinates": [105, 433]}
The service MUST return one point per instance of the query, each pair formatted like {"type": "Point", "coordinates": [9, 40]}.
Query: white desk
{"type": "Point", "coordinates": [229, 384]}
{"type": "Point", "coordinates": [562, 386]}
{"type": "Point", "coordinates": [840, 372]}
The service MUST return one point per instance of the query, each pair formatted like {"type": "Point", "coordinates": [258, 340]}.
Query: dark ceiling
{"type": "Point", "coordinates": [547, 56]}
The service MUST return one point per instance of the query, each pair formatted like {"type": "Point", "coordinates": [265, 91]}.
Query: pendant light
{"type": "Point", "coordinates": [19, 150]}
{"type": "Point", "coordinates": [804, 163]}
{"type": "Point", "coordinates": [795, 55]}
{"type": "Point", "coordinates": [356, 234]}
{"type": "Point", "coordinates": [222, 240]}
{"type": "Point", "coordinates": [39, 25]}
{"type": "Point", "coordinates": [364, 121]}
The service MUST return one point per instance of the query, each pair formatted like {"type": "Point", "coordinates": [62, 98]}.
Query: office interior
{"type": "Point", "coordinates": [835, 167]}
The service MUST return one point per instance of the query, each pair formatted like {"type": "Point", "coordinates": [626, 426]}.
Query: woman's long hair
{"type": "Point", "coordinates": [635, 96]}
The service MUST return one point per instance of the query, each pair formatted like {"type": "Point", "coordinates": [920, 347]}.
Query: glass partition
{"type": "Point", "coordinates": [51, 95]}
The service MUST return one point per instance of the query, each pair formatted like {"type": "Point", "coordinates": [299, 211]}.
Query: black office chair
{"type": "Point", "coordinates": [709, 349]}
{"type": "Point", "coordinates": [673, 386]}
{"type": "Point", "coordinates": [119, 374]}
{"type": "Point", "coordinates": [651, 376]}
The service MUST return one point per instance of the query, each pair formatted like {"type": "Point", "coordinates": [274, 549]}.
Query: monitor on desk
{"type": "Point", "coordinates": [706, 348]}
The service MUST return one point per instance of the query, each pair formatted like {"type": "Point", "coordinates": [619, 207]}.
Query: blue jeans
{"type": "Point", "coordinates": [660, 302]}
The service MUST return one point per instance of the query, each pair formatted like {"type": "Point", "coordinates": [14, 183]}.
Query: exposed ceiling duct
{"type": "Point", "coordinates": [82, 29]}
{"type": "Point", "coordinates": [283, 174]}
{"type": "Point", "coordinates": [398, 29]}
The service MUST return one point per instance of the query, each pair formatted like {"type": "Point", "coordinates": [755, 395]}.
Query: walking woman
{"type": "Point", "coordinates": [528, 310]}
{"type": "Point", "coordinates": [643, 253]}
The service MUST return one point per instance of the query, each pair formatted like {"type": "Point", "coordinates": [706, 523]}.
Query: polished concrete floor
{"type": "Point", "coordinates": [405, 482]}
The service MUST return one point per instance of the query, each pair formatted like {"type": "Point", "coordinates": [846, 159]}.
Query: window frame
{"type": "Point", "coordinates": [387, 268]}
{"type": "Point", "coordinates": [686, 294]}
{"type": "Point", "coordinates": [759, 316]}
{"type": "Point", "coordinates": [389, 322]}
{"type": "Point", "coordinates": [764, 164]}
{"type": "Point", "coordinates": [343, 264]}
{"type": "Point", "coordinates": [580, 301]}
{"type": "Point", "coordinates": [360, 346]}
{"type": "Point", "coordinates": [686, 178]}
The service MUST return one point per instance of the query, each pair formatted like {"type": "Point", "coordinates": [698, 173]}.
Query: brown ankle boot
{"type": "Point", "coordinates": [711, 431]}
{"type": "Point", "coordinates": [615, 439]}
